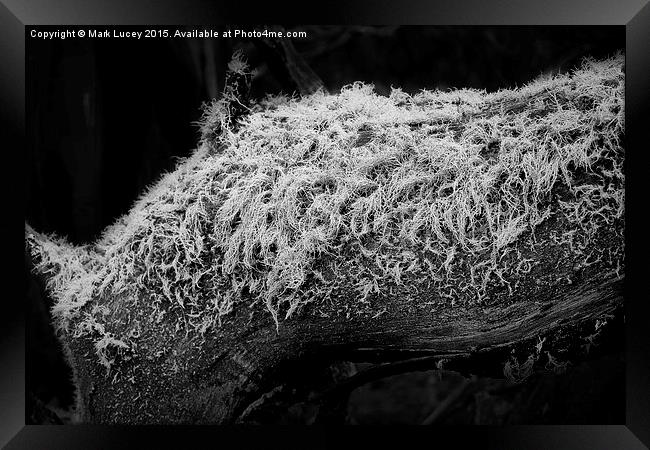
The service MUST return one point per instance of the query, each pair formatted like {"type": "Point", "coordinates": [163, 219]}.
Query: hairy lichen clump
{"type": "Point", "coordinates": [439, 183]}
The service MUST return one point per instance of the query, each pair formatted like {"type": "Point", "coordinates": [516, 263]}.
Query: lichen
{"type": "Point", "coordinates": [442, 184]}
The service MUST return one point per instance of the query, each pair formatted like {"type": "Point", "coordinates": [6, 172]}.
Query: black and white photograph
{"type": "Point", "coordinates": [357, 224]}
{"type": "Point", "coordinates": [342, 225]}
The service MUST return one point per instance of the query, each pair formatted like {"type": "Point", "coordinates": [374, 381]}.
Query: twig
{"type": "Point", "coordinates": [447, 402]}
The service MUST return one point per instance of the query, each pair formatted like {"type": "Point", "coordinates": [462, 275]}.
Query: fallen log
{"type": "Point", "coordinates": [455, 226]}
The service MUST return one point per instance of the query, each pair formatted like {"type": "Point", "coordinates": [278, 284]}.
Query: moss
{"type": "Point", "coordinates": [71, 273]}
{"type": "Point", "coordinates": [446, 185]}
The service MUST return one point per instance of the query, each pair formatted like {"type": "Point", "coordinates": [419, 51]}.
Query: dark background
{"type": "Point", "coordinates": [106, 118]}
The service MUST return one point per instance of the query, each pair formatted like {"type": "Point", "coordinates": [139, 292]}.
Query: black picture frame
{"type": "Point", "coordinates": [634, 15]}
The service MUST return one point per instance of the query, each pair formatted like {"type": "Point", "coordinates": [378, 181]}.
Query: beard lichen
{"type": "Point", "coordinates": [437, 184]}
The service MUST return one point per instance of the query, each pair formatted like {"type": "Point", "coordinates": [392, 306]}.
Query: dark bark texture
{"type": "Point", "coordinates": [542, 324]}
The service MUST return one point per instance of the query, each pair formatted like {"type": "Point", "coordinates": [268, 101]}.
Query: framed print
{"type": "Point", "coordinates": [237, 219]}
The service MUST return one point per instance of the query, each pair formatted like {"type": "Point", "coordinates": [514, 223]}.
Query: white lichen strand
{"type": "Point", "coordinates": [389, 186]}
{"type": "Point", "coordinates": [72, 274]}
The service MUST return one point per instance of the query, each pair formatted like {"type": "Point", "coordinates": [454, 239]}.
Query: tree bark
{"type": "Point", "coordinates": [219, 379]}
